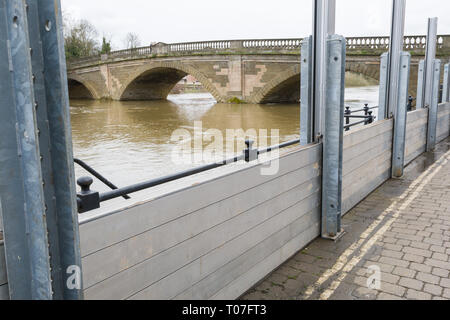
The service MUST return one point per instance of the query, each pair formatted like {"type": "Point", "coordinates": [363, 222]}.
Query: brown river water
{"type": "Point", "coordinates": [130, 142]}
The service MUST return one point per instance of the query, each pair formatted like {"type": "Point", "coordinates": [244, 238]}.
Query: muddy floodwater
{"type": "Point", "coordinates": [130, 142]}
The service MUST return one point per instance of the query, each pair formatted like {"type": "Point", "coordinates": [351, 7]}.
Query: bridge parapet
{"type": "Point", "coordinates": [355, 46]}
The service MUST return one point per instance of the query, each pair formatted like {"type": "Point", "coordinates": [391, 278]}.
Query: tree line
{"type": "Point", "coordinates": [81, 39]}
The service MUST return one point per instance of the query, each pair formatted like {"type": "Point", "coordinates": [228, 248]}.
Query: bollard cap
{"type": "Point", "coordinates": [85, 183]}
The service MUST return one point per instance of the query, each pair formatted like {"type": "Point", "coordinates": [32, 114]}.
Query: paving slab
{"type": "Point", "coordinates": [397, 244]}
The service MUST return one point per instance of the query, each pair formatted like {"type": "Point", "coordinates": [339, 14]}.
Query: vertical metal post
{"type": "Point", "coordinates": [37, 184]}
{"type": "Point", "coordinates": [398, 156]}
{"type": "Point", "coordinates": [324, 22]}
{"type": "Point", "coordinates": [395, 50]}
{"type": "Point", "coordinates": [25, 229]}
{"type": "Point", "coordinates": [421, 85]}
{"type": "Point", "coordinates": [306, 112]}
{"type": "Point", "coordinates": [44, 145]}
{"type": "Point", "coordinates": [429, 60]}
{"type": "Point", "coordinates": [48, 63]}
{"type": "Point", "coordinates": [384, 78]}
{"type": "Point", "coordinates": [446, 86]}
{"type": "Point", "coordinates": [433, 109]}
{"type": "Point", "coordinates": [60, 134]}
{"type": "Point", "coordinates": [333, 139]}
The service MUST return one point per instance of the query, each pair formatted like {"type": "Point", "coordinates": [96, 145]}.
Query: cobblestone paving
{"type": "Point", "coordinates": [401, 230]}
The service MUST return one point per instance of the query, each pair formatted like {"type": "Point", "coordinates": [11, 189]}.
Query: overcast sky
{"type": "Point", "coordinates": [196, 20]}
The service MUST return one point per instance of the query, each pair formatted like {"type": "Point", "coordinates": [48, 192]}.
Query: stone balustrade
{"type": "Point", "coordinates": [355, 45]}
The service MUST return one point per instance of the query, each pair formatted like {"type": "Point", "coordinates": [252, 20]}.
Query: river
{"type": "Point", "coordinates": [130, 141]}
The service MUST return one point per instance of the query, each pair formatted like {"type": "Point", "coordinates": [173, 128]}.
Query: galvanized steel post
{"type": "Point", "coordinates": [306, 109]}
{"type": "Point", "coordinates": [395, 50]}
{"type": "Point", "coordinates": [446, 86]}
{"type": "Point", "coordinates": [333, 139]}
{"type": "Point", "coordinates": [44, 145]}
{"type": "Point", "coordinates": [60, 132]}
{"type": "Point", "coordinates": [384, 78]}
{"type": "Point", "coordinates": [420, 85]}
{"type": "Point", "coordinates": [324, 22]}
{"type": "Point", "coordinates": [433, 109]}
{"type": "Point", "coordinates": [37, 185]}
{"type": "Point", "coordinates": [23, 207]}
{"type": "Point", "coordinates": [429, 61]}
{"type": "Point", "coordinates": [398, 156]}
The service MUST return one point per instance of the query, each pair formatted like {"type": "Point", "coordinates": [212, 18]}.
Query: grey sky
{"type": "Point", "coordinates": [195, 20]}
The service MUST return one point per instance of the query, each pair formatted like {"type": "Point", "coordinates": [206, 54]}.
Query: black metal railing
{"type": "Point", "coordinates": [91, 170]}
{"type": "Point", "coordinates": [367, 118]}
{"type": "Point", "coordinates": [89, 200]}
{"type": "Point", "coordinates": [410, 103]}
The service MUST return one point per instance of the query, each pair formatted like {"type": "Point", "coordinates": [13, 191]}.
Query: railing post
{"type": "Point", "coordinates": [348, 113]}
{"type": "Point", "coordinates": [333, 139]}
{"type": "Point", "coordinates": [371, 117]}
{"type": "Point", "coordinates": [446, 88]}
{"type": "Point", "coordinates": [398, 156]}
{"type": "Point", "coordinates": [433, 109]}
{"type": "Point", "coordinates": [250, 154]}
{"type": "Point", "coordinates": [306, 103]}
{"type": "Point", "coordinates": [384, 79]}
{"type": "Point", "coordinates": [410, 102]}
{"type": "Point", "coordinates": [420, 85]}
{"type": "Point", "coordinates": [87, 199]}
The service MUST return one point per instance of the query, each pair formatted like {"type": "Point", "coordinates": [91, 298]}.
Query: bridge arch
{"type": "Point", "coordinates": [155, 80]}
{"type": "Point", "coordinates": [80, 89]}
{"type": "Point", "coordinates": [286, 86]}
{"type": "Point", "coordinates": [371, 71]}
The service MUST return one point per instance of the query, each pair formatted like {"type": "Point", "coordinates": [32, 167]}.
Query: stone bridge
{"type": "Point", "coordinates": [253, 71]}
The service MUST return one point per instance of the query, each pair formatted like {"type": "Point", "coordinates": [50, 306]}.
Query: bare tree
{"type": "Point", "coordinates": [132, 41]}
{"type": "Point", "coordinates": [80, 38]}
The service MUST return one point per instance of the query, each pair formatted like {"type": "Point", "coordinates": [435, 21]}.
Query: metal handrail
{"type": "Point", "coordinates": [280, 146]}
{"type": "Point", "coordinates": [89, 200]}
{"type": "Point", "coordinates": [92, 171]}
{"type": "Point", "coordinates": [364, 109]}
{"type": "Point", "coordinates": [347, 127]}
{"type": "Point", "coordinates": [159, 181]}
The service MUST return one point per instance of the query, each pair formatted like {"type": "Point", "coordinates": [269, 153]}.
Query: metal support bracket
{"type": "Point", "coordinates": [333, 138]}
{"type": "Point", "coordinates": [433, 110]}
{"type": "Point", "coordinates": [398, 156]}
